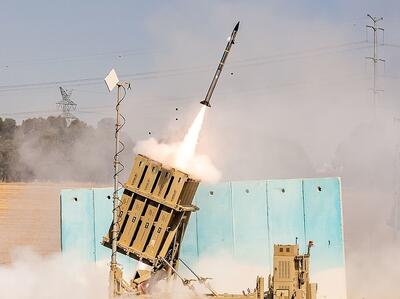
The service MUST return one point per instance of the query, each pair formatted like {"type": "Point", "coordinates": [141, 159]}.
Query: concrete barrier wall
{"type": "Point", "coordinates": [243, 219]}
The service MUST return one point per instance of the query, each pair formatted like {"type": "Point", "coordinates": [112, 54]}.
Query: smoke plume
{"type": "Point", "coordinates": [182, 155]}
{"type": "Point", "coordinates": [31, 276]}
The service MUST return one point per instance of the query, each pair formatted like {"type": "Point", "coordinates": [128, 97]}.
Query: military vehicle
{"type": "Point", "coordinates": [153, 214]}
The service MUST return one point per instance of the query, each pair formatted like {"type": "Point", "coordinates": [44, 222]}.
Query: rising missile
{"type": "Point", "coordinates": [231, 41]}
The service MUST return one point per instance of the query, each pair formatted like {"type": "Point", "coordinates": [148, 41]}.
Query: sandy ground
{"type": "Point", "coordinates": [30, 216]}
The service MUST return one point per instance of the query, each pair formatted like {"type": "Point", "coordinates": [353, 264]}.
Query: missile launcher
{"type": "Point", "coordinates": [154, 211]}
{"type": "Point", "coordinates": [153, 214]}
{"type": "Point", "coordinates": [149, 226]}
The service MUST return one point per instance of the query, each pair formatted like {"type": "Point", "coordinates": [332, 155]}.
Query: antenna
{"type": "Point", "coordinates": [375, 58]}
{"type": "Point", "coordinates": [112, 81]}
{"type": "Point", "coordinates": [66, 105]}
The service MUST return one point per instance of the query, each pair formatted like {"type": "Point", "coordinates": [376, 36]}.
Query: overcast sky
{"type": "Point", "coordinates": [58, 41]}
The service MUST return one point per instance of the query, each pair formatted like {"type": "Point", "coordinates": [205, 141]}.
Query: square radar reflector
{"type": "Point", "coordinates": [111, 80]}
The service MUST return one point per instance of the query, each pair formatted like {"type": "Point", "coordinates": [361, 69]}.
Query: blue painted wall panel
{"type": "Point", "coordinates": [237, 218]}
{"type": "Point", "coordinates": [323, 219]}
{"type": "Point", "coordinates": [250, 222]}
{"type": "Point", "coordinates": [103, 217]}
{"type": "Point", "coordinates": [285, 212]}
{"type": "Point", "coordinates": [77, 222]}
{"type": "Point", "coordinates": [215, 219]}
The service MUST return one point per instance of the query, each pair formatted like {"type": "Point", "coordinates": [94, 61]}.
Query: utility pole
{"type": "Point", "coordinates": [394, 220]}
{"type": "Point", "coordinates": [375, 58]}
{"type": "Point", "coordinates": [66, 105]}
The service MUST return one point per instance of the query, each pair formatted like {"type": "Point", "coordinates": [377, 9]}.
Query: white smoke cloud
{"type": "Point", "coordinates": [199, 166]}
{"type": "Point", "coordinates": [182, 155]}
{"type": "Point", "coordinates": [66, 276]}
{"type": "Point", "coordinates": [331, 283]}
{"type": "Point", "coordinates": [229, 274]}
{"type": "Point", "coordinates": [31, 276]}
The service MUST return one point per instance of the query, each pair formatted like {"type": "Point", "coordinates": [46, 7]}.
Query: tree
{"type": "Point", "coordinates": [48, 149]}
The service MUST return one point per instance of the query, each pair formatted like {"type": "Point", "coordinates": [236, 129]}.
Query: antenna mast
{"type": "Point", "coordinates": [375, 58]}
{"type": "Point", "coordinates": [115, 272]}
{"type": "Point", "coordinates": [66, 105]}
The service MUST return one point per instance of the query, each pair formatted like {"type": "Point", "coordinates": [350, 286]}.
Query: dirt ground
{"type": "Point", "coordinates": [30, 216]}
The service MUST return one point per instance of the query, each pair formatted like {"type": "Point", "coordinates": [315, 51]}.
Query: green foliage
{"type": "Point", "coordinates": [7, 148]}
{"type": "Point", "coordinates": [51, 150]}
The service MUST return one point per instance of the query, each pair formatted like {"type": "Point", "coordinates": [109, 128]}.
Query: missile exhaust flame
{"type": "Point", "coordinates": [182, 155]}
{"type": "Point", "coordinates": [187, 148]}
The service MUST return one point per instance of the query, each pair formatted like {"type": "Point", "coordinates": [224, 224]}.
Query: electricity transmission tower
{"type": "Point", "coordinates": [66, 105]}
{"type": "Point", "coordinates": [375, 59]}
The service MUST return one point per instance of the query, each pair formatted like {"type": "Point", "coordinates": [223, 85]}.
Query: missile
{"type": "Point", "coordinates": [214, 81]}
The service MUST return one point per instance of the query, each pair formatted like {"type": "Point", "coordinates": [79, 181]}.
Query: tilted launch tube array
{"type": "Point", "coordinates": [155, 208]}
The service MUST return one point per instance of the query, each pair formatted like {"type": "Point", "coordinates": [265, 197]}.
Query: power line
{"type": "Point", "coordinates": [154, 100]}
{"type": "Point", "coordinates": [391, 45]}
{"type": "Point", "coordinates": [306, 51]}
{"type": "Point", "coordinates": [117, 54]}
{"type": "Point", "coordinates": [83, 109]}
{"type": "Point", "coordinates": [28, 112]}
{"type": "Point", "coordinates": [260, 63]}
{"type": "Point", "coordinates": [251, 62]}
{"type": "Point", "coordinates": [124, 53]}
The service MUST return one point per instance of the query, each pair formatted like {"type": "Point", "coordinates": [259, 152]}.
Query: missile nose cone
{"type": "Point", "coordinates": [236, 27]}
